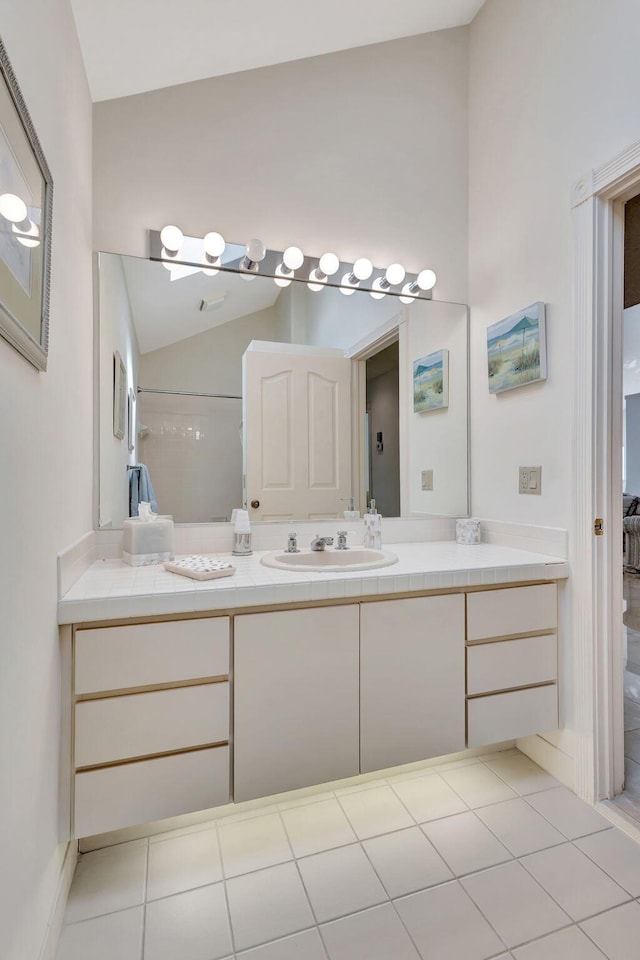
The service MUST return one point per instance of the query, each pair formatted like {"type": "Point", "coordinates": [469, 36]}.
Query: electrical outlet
{"type": "Point", "coordinates": [427, 479]}
{"type": "Point", "coordinates": [530, 480]}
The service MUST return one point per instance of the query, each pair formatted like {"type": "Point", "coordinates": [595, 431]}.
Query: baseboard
{"type": "Point", "coordinates": [52, 936]}
{"type": "Point", "coordinates": [554, 761]}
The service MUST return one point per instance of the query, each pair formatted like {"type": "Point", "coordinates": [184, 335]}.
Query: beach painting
{"type": "Point", "coordinates": [517, 349]}
{"type": "Point", "coordinates": [431, 382]}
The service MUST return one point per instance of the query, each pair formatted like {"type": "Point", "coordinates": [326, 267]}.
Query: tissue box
{"type": "Point", "coordinates": [147, 541]}
{"type": "Point", "coordinates": [467, 530]}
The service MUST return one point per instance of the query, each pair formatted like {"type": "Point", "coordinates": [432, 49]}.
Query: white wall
{"type": "Point", "coordinates": [210, 362]}
{"type": "Point", "coordinates": [553, 93]}
{"type": "Point", "coordinates": [45, 502]}
{"type": "Point", "coordinates": [363, 152]}
{"type": "Point", "coordinates": [117, 333]}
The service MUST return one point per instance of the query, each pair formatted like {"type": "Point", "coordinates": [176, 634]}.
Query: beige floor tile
{"type": "Point", "coordinates": [522, 774]}
{"type": "Point", "coordinates": [569, 944]}
{"type": "Point", "coordinates": [617, 854]}
{"type": "Point", "coordinates": [375, 811]}
{"type": "Point", "coordinates": [405, 861]}
{"type": "Point", "coordinates": [267, 905]}
{"type": "Point", "coordinates": [118, 935]}
{"type": "Point", "coordinates": [429, 798]}
{"type": "Point", "coordinates": [108, 880]}
{"type": "Point", "coordinates": [315, 827]}
{"type": "Point", "coordinates": [340, 881]}
{"type": "Point", "coordinates": [567, 813]}
{"type": "Point", "coordinates": [182, 863]}
{"type": "Point", "coordinates": [375, 934]}
{"type": "Point", "coordinates": [301, 946]}
{"type": "Point", "coordinates": [253, 844]}
{"type": "Point", "coordinates": [521, 828]}
{"type": "Point", "coordinates": [617, 932]}
{"type": "Point", "coordinates": [188, 926]}
{"type": "Point", "coordinates": [478, 786]}
{"type": "Point", "coordinates": [465, 843]}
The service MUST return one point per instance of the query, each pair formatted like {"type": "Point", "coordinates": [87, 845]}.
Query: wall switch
{"type": "Point", "coordinates": [530, 480]}
{"type": "Point", "coordinates": [427, 479]}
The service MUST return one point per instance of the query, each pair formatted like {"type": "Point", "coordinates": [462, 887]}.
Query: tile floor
{"type": "Point", "coordinates": [630, 799]}
{"type": "Point", "coordinates": [486, 858]}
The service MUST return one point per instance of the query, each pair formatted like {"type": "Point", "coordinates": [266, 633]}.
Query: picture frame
{"type": "Point", "coordinates": [26, 205]}
{"type": "Point", "coordinates": [517, 349]}
{"type": "Point", "coordinates": [119, 395]}
{"type": "Point", "coordinates": [131, 420]}
{"type": "Point", "coordinates": [431, 382]}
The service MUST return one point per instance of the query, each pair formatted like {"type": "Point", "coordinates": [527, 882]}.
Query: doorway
{"type": "Point", "coordinates": [383, 430]}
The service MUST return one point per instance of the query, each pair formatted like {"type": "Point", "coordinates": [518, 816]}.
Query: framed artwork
{"type": "Point", "coordinates": [517, 349]}
{"type": "Point", "coordinates": [26, 203]}
{"type": "Point", "coordinates": [119, 395]}
{"type": "Point", "coordinates": [431, 382]}
{"type": "Point", "coordinates": [131, 419]}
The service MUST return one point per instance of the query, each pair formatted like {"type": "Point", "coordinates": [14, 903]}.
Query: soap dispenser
{"type": "Point", "coordinates": [351, 513]}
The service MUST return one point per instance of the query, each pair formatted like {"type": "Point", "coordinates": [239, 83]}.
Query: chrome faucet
{"type": "Point", "coordinates": [342, 540]}
{"type": "Point", "coordinates": [319, 543]}
{"type": "Point", "coordinates": [292, 543]}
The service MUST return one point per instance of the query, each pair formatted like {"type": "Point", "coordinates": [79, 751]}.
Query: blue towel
{"type": "Point", "coordinates": [140, 489]}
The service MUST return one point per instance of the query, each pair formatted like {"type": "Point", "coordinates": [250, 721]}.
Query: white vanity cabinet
{"type": "Point", "coordinates": [512, 663]}
{"type": "Point", "coordinates": [295, 699]}
{"type": "Point", "coordinates": [412, 692]}
{"type": "Point", "coordinates": [151, 722]}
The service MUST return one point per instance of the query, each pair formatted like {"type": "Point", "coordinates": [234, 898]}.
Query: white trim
{"type": "Point", "coordinates": [597, 615]}
{"type": "Point", "coordinates": [54, 927]}
{"type": "Point", "coordinates": [550, 758]}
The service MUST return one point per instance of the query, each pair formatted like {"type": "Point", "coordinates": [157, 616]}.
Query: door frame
{"type": "Point", "coordinates": [394, 329]}
{"type": "Point", "coordinates": [596, 561]}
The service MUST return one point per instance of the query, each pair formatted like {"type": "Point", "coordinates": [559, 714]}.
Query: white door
{"type": "Point", "coordinates": [297, 431]}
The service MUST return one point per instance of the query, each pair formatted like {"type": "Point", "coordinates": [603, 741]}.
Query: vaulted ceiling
{"type": "Point", "coordinates": [130, 46]}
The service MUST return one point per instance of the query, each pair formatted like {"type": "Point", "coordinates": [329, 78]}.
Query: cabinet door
{"type": "Point", "coordinates": [295, 699]}
{"type": "Point", "coordinates": [412, 696]}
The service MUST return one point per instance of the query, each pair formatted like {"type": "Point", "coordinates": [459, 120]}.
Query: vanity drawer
{"type": "Point", "coordinates": [500, 613]}
{"type": "Point", "coordinates": [118, 728]}
{"type": "Point", "coordinates": [113, 658]}
{"type": "Point", "coordinates": [148, 790]}
{"type": "Point", "coordinates": [511, 663]}
{"type": "Point", "coordinates": [507, 716]}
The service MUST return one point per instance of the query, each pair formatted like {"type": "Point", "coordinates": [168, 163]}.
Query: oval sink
{"type": "Point", "coordinates": [329, 560]}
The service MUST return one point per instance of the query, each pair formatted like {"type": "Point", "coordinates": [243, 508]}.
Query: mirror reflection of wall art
{"type": "Point", "coordinates": [431, 382]}
{"type": "Point", "coordinates": [131, 419]}
{"type": "Point", "coordinates": [119, 395]}
{"type": "Point", "coordinates": [517, 349]}
{"type": "Point", "coordinates": [26, 200]}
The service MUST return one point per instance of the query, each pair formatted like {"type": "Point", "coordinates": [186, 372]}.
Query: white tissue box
{"type": "Point", "coordinates": [147, 541]}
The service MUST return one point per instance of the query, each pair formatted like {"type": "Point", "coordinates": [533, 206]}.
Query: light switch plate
{"type": "Point", "coordinates": [530, 480]}
{"type": "Point", "coordinates": [427, 479]}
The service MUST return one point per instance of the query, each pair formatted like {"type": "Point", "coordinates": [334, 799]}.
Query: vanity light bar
{"type": "Point", "coordinates": [212, 254]}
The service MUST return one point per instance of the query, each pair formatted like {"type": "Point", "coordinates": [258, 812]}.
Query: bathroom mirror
{"type": "Point", "coordinates": [288, 400]}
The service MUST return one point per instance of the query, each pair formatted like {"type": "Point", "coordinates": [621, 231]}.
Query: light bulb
{"type": "Point", "coordinates": [13, 208]}
{"type": "Point", "coordinates": [281, 278]}
{"type": "Point", "coordinates": [378, 291]}
{"type": "Point", "coordinates": [293, 258]}
{"type": "Point", "coordinates": [213, 244]}
{"type": "Point", "coordinates": [347, 287]}
{"type": "Point", "coordinates": [171, 238]}
{"type": "Point", "coordinates": [256, 250]}
{"type": "Point", "coordinates": [315, 283]}
{"type": "Point", "coordinates": [210, 271]}
{"type": "Point", "coordinates": [28, 236]}
{"type": "Point", "coordinates": [328, 264]}
{"type": "Point", "coordinates": [406, 293]}
{"type": "Point", "coordinates": [395, 274]}
{"type": "Point", "coordinates": [363, 268]}
{"type": "Point", "coordinates": [426, 279]}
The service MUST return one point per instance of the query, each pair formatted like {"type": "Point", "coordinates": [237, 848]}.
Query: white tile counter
{"type": "Point", "coordinates": [110, 589]}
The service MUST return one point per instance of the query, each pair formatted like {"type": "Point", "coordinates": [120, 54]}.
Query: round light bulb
{"type": "Point", "coordinates": [406, 294]}
{"type": "Point", "coordinates": [395, 274]}
{"type": "Point", "coordinates": [281, 278]}
{"type": "Point", "coordinates": [293, 258]}
{"type": "Point", "coordinates": [347, 287]}
{"type": "Point", "coordinates": [377, 293]}
{"type": "Point", "coordinates": [426, 279]}
{"type": "Point", "coordinates": [256, 250]}
{"type": "Point", "coordinates": [171, 238]}
{"type": "Point", "coordinates": [363, 268]}
{"type": "Point", "coordinates": [315, 284]}
{"type": "Point", "coordinates": [210, 271]}
{"type": "Point", "coordinates": [213, 244]}
{"type": "Point", "coordinates": [13, 208]}
{"type": "Point", "coordinates": [329, 263]}
{"type": "Point", "coordinates": [29, 235]}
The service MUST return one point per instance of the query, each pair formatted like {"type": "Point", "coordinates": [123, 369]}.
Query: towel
{"type": "Point", "coordinates": [140, 488]}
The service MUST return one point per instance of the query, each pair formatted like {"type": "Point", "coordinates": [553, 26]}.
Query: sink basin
{"type": "Point", "coordinates": [329, 561]}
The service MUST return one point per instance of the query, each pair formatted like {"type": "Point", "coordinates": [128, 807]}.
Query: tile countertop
{"type": "Point", "coordinates": [110, 589]}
